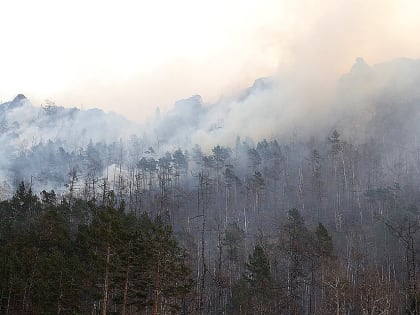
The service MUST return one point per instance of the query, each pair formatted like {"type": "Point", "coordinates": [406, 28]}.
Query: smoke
{"type": "Point", "coordinates": [323, 43]}
{"type": "Point", "coordinates": [371, 101]}
{"type": "Point", "coordinates": [362, 103]}
{"type": "Point", "coordinates": [133, 57]}
{"type": "Point", "coordinates": [302, 47]}
{"type": "Point", "coordinates": [23, 126]}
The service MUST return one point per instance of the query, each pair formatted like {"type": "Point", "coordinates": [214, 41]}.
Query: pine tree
{"type": "Point", "coordinates": [165, 270]}
{"type": "Point", "coordinates": [260, 282]}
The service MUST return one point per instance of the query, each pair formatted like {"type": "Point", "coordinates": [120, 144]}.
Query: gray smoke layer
{"type": "Point", "coordinates": [281, 107]}
{"type": "Point", "coordinates": [369, 102]}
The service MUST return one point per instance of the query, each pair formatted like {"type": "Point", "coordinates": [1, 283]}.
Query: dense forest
{"type": "Point", "coordinates": [79, 258]}
{"type": "Point", "coordinates": [316, 227]}
{"type": "Point", "coordinates": [322, 217]}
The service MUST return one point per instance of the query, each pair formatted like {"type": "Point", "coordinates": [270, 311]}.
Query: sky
{"type": "Point", "coordinates": [132, 56]}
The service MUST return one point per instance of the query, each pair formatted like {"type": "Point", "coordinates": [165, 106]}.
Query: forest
{"type": "Point", "coordinates": [284, 206]}
{"type": "Point", "coordinates": [322, 226]}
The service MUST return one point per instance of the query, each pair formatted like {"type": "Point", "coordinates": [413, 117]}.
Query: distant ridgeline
{"type": "Point", "coordinates": [376, 105]}
{"type": "Point", "coordinates": [229, 195]}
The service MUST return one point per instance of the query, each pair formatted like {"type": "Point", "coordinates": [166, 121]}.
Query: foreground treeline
{"type": "Point", "coordinates": [57, 258]}
{"type": "Point", "coordinates": [84, 257]}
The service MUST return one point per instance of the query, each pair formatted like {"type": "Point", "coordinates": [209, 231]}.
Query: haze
{"type": "Point", "coordinates": [132, 56]}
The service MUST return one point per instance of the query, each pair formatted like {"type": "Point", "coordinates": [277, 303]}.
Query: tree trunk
{"type": "Point", "coordinates": [106, 281]}
{"type": "Point", "coordinates": [157, 286]}
{"type": "Point", "coordinates": [125, 298]}
{"type": "Point", "coordinates": [60, 296]}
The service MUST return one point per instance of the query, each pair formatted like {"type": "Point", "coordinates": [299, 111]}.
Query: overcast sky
{"type": "Point", "coordinates": [132, 56]}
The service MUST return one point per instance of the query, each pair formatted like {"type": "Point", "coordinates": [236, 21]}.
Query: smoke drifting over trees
{"type": "Point", "coordinates": [287, 201]}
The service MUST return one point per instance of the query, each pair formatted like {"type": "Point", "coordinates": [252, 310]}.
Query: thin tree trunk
{"type": "Point", "coordinates": [106, 281]}
{"type": "Point", "coordinates": [125, 298]}
{"type": "Point", "coordinates": [157, 286]}
{"type": "Point", "coordinates": [60, 296]}
{"type": "Point", "coordinates": [29, 284]}
{"type": "Point", "coordinates": [8, 300]}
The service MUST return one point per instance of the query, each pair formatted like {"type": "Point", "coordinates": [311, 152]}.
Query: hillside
{"type": "Point", "coordinates": [281, 207]}
{"type": "Point", "coordinates": [370, 102]}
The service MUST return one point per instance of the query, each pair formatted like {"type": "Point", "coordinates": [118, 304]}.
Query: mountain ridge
{"type": "Point", "coordinates": [36, 141]}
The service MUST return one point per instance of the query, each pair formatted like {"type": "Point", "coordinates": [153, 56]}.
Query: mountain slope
{"type": "Point", "coordinates": [380, 101]}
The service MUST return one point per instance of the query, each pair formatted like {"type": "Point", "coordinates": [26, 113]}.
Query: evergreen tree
{"type": "Point", "coordinates": [165, 270]}
{"type": "Point", "coordinates": [254, 294]}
